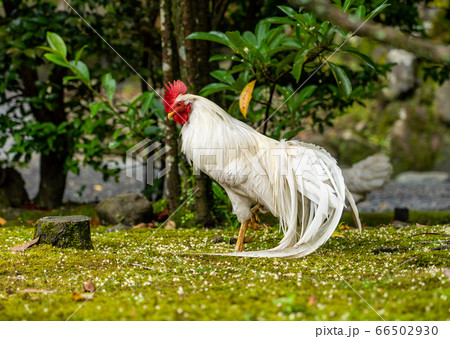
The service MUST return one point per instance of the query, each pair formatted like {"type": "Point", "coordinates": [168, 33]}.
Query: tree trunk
{"type": "Point", "coordinates": [53, 177]}
{"type": "Point", "coordinates": [422, 48]}
{"type": "Point", "coordinates": [53, 180]}
{"type": "Point", "coordinates": [193, 58]}
{"type": "Point", "coordinates": [52, 174]}
{"type": "Point", "coordinates": [170, 68]}
{"type": "Point", "coordinates": [203, 182]}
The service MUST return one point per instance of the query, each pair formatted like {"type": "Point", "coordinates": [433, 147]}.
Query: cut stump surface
{"type": "Point", "coordinates": [65, 232]}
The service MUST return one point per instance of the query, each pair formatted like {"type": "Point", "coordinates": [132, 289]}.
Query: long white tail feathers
{"type": "Point", "coordinates": [312, 215]}
{"type": "Point", "coordinates": [354, 209]}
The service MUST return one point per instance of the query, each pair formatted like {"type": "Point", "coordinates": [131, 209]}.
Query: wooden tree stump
{"type": "Point", "coordinates": [65, 232]}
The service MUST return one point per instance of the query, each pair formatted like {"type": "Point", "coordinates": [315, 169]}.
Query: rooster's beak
{"type": "Point", "coordinates": [171, 114]}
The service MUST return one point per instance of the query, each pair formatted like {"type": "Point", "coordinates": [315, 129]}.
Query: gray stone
{"type": "Point", "coordinates": [128, 209]}
{"type": "Point", "coordinates": [422, 177]}
{"type": "Point", "coordinates": [400, 224]}
{"type": "Point", "coordinates": [118, 228]}
{"type": "Point", "coordinates": [401, 79]}
{"type": "Point", "coordinates": [12, 188]}
{"type": "Point", "coordinates": [217, 240]}
{"type": "Point", "coordinates": [65, 232]}
{"type": "Point", "coordinates": [443, 102]}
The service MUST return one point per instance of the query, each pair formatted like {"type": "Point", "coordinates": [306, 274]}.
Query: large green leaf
{"type": "Point", "coordinates": [56, 59]}
{"type": "Point", "coordinates": [147, 102]}
{"type": "Point", "coordinates": [57, 43]}
{"type": "Point", "coordinates": [213, 36]}
{"type": "Point", "coordinates": [79, 52]}
{"type": "Point", "coordinates": [298, 64]}
{"type": "Point", "coordinates": [213, 88]}
{"type": "Point", "coordinates": [347, 5]}
{"type": "Point", "coordinates": [69, 77]}
{"type": "Point", "coordinates": [306, 92]}
{"type": "Point", "coordinates": [250, 38]}
{"type": "Point", "coordinates": [293, 43]}
{"type": "Point", "coordinates": [285, 64]}
{"type": "Point", "coordinates": [262, 30]}
{"type": "Point", "coordinates": [280, 20]}
{"type": "Point", "coordinates": [288, 11]}
{"type": "Point", "coordinates": [82, 70]}
{"type": "Point", "coordinates": [238, 43]}
{"type": "Point", "coordinates": [377, 10]}
{"type": "Point", "coordinates": [344, 84]}
{"type": "Point", "coordinates": [276, 38]}
{"type": "Point", "coordinates": [95, 107]}
{"type": "Point", "coordinates": [220, 57]}
{"type": "Point", "coordinates": [303, 96]}
{"type": "Point", "coordinates": [151, 130]}
{"type": "Point", "coordinates": [360, 12]}
{"type": "Point", "coordinates": [357, 53]}
{"type": "Point", "coordinates": [223, 76]}
{"type": "Point", "coordinates": [110, 85]}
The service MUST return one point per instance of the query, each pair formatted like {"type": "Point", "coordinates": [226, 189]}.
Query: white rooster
{"type": "Point", "coordinates": [298, 182]}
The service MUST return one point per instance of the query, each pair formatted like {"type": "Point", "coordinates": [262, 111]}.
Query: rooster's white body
{"type": "Point", "coordinates": [298, 182]}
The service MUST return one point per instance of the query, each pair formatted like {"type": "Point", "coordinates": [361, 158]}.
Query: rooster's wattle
{"type": "Point", "coordinates": [298, 182]}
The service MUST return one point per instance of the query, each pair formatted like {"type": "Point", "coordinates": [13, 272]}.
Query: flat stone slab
{"type": "Point", "coordinates": [128, 209]}
{"type": "Point", "coordinates": [422, 177]}
{"type": "Point", "coordinates": [65, 232]}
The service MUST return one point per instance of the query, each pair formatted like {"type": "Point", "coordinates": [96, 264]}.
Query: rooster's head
{"type": "Point", "coordinates": [178, 109]}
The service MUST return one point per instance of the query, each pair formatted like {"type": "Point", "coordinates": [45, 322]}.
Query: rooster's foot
{"type": "Point", "coordinates": [259, 208]}
{"type": "Point", "coordinates": [254, 220]}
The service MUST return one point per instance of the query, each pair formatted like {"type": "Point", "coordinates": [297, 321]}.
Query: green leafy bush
{"type": "Point", "coordinates": [283, 55]}
{"type": "Point", "coordinates": [137, 119]}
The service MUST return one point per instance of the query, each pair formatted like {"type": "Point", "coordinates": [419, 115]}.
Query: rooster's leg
{"type": "Point", "coordinates": [240, 241]}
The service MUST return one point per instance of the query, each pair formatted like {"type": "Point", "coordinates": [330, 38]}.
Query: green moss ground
{"type": "Point", "coordinates": [337, 282]}
{"type": "Point", "coordinates": [192, 287]}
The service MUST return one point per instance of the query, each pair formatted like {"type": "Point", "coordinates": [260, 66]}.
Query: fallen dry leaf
{"type": "Point", "coordinates": [337, 234]}
{"type": "Point", "coordinates": [170, 225]}
{"type": "Point", "coordinates": [162, 216]}
{"type": "Point", "coordinates": [33, 290]}
{"type": "Point", "coordinates": [2, 221]}
{"type": "Point", "coordinates": [82, 296]}
{"type": "Point", "coordinates": [143, 225]}
{"type": "Point", "coordinates": [245, 97]}
{"type": "Point", "coordinates": [89, 286]}
{"type": "Point", "coordinates": [25, 246]}
{"type": "Point", "coordinates": [344, 227]}
{"type": "Point", "coordinates": [98, 188]}
{"type": "Point", "coordinates": [95, 222]}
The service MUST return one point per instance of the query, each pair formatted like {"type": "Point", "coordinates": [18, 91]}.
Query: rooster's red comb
{"type": "Point", "coordinates": [172, 92]}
